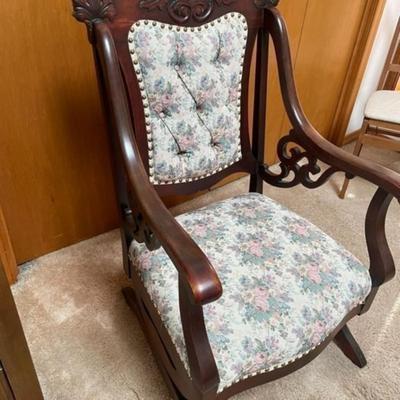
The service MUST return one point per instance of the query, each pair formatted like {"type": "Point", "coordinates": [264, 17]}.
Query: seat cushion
{"type": "Point", "coordinates": [286, 284]}
{"type": "Point", "coordinates": [191, 81]}
{"type": "Point", "coordinates": [384, 105]}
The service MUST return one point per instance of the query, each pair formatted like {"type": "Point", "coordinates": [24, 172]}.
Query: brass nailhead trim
{"type": "Point", "coordinates": [263, 371]}
{"type": "Point", "coordinates": [138, 73]}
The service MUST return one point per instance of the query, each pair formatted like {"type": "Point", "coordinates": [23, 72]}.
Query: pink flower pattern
{"type": "Point", "coordinates": [192, 82]}
{"type": "Point", "coordinates": [286, 284]}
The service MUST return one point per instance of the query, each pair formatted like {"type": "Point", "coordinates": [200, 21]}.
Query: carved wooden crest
{"type": "Point", "coordinates": [89, 11]}
{"type": "Point", "coordinates": [183, 10]}
{"type": "Point", "coordinates": [199, 10]}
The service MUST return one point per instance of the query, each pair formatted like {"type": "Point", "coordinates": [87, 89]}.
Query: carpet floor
{"type": "Point", "coordinates": [88, 345]}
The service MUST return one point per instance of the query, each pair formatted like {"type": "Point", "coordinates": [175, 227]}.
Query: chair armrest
{"type": "Point", "coordinates": [190, 261]}
{"type": "Point", "coordinates": [304, 133]}
{"type": "Point", "coordinates": [382, 267]}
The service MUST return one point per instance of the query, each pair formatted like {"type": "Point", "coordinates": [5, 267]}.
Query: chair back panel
{"type": "Point", "coordinates": [186, 67]}
{"type": "Point", "coordinates": [190, 81]}
{"type": "Point", "coordinates": [391, 71]}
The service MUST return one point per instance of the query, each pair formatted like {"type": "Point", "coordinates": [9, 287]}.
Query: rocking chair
{"type": "Point", "coordinates": [243, 291]}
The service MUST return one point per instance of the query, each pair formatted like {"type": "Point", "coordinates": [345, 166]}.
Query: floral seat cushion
{"type": "Point", "coordinates": [286, 284]}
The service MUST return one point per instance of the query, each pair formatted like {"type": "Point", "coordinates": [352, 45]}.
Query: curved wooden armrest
{"type": "Point", "coordinates": [382, 267]}
{"type": "Point", "coordinates": [191, 263]}
{"type": "Point", "coordinates": [305, 134]}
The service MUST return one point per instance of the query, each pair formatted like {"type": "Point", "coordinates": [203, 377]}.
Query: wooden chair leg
{"type": "Point", "coordinates": [132, 300]}
{"type": "Point", "coordinates": [345, 186]}
{"type": "Point", "coordinates": [173, 390]}
{"type": "Point", "coordinates": [357, 150]}
{"type": "Point", "coordinates": [350, 348]}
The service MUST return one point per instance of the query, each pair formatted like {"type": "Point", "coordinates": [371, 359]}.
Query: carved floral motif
{"type": "Point", "coordinates": [90, 10]}
{"type": "Point", "coordinates": [183, 10]}
{"type": "Point", "coordinates": [180, 10]}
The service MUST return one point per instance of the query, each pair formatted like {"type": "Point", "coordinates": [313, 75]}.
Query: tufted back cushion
{"type": "Point", "coordinates": [190, 81]}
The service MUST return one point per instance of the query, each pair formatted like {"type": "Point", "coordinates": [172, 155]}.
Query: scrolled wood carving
{"type": "Point", "coordinates": [297, 164]}
{"type": "Point", "coordinates": [140, 231]}
{"type": "Point", "coordinates": [89, 11]}
{"type": "Point", "coordinates": [182, 11]}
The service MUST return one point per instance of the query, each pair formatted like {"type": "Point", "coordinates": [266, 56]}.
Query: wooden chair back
{"type": "Point", "coordinates": [121, 15]}
{"type": "Point", "coordinates": [391, 71]}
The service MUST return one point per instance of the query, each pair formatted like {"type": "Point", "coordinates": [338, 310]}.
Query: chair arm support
{"type": "Point", "coordinates": [382, 267]}
{"type": "Point", "coordinates": [191, 263]}
{"type": "Point", "coordinates": [304, 133]}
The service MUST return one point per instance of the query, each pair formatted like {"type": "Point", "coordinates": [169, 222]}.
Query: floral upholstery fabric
{"type": "Point", "coordinates": [286, 284]}
{"type": "Point", "coordinates": [190, 80]}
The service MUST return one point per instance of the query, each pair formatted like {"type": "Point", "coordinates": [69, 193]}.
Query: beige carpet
{"type": "Point", "coordinates": [87, 345]}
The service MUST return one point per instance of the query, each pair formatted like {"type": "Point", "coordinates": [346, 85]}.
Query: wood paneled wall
{"type": "Point", "coordinates": [324, 40]}
{"type": "Point", "coordinates": [56, 186]}
{"type": "Point", "coordinates": [55, 175]}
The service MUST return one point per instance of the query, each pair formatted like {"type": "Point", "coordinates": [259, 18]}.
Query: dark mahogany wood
{"type": "Point", "coordinates": [382, 267]}
{"type": "Point", "coordinates": [144, 216]}
{"type": "Point", "coordinates": [292, 165]}
{"type": "Point", "coordinates": [184, 252]}
{"type": "Point", "coordinates": [260, 104]}
{"type": "Point", "coordinates": [203, 369]}
{"type": "Point", "coordinates": [346, 342]}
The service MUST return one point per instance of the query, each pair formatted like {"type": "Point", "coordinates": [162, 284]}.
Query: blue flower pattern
{"type": "Point", "coordinates": [192, 83]}
{"type": "Point", "coordinates": [286, 284]}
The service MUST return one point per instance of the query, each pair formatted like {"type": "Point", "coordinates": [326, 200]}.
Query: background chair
{"type": "Point", "coordinates": [243, 291]}
{"type": "Point", "coordinates": [381, 126]}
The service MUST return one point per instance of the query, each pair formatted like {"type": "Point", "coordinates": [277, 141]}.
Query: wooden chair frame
{"type": "Point", "coordinates": [377, 133]}
{"type": "Point", "coordinates": [145, 218]}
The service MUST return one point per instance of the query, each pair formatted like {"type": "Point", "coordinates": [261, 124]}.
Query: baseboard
{"type": "Point", "coordinates": [351, 137]}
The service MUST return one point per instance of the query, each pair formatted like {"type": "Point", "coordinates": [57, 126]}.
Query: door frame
{"type": "Point", "coordinates": [368, 28]}
{"type": "Point", "coordinates": [7, 256]}
{"type": "Point", "coordinates": [18, 379]}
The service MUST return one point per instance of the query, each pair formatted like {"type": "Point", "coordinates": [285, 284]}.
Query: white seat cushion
{"type": "Point", "coordinates": [286, 284]}
{"type": "Point", "coordinates": [384, 105]}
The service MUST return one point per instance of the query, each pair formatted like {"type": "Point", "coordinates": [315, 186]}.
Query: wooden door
{"type": "Point", "coordinates": [56, 186]}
